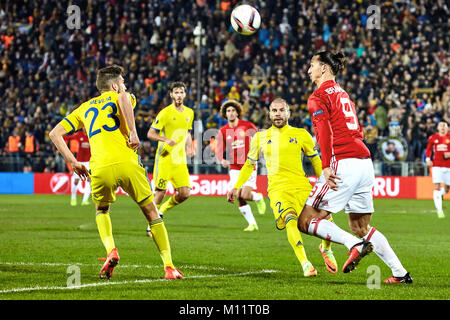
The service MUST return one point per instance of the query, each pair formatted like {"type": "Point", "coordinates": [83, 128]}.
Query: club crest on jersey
{"type": "Point", "coordinates": [292, 140]}
{"type": "Point", "coordinates": [269, 141]}
{"type": "Point", "coordinates": [318, 112]}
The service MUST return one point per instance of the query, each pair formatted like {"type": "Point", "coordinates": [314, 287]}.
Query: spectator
{"type": "Point", "coordinates": [371, 139]}
{"type": "Point", "coordinates": [13, 147]}
{"type": "Point", "coordinates": [46, 69]}
{"type": "Point", "coordinates": [381, 120]}
{"type": "Point", "coordinates": [30, 148]}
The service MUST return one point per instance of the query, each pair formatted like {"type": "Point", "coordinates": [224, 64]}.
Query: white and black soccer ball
{"type": "Point", "coordinates": [245, 19]}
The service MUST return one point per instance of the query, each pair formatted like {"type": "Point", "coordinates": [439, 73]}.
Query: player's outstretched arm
{"type": "Point", "coordinates": [244, 174]}
{"type": "Point", "coordinates": [152, 134]}
{"type": "Point", "coordinates": [56, 135]}
{"type": "Point", "coordinates": [317, 164]}
{"type": "Point", "coordinates": [126, 108]}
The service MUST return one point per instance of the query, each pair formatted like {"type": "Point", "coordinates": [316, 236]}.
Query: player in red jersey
{"type": "Point", "coordinates": [233, 144]}
{"type": "Point", "coordinates": [347, 177]}
{"type": "Point", "coordinates": [83, 156]}
{"type": "Point", "coordinates": [439, 146]}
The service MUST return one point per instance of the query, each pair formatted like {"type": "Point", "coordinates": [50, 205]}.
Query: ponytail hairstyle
{"type": "Point", "coordinates": [336, 61]}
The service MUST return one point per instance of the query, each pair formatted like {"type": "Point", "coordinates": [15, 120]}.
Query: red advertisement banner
{"type": "Point", "coordinates": [217, 185]}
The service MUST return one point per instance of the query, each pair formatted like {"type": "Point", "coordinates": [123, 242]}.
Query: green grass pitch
{"type": "Point", "coordinates": [46, 244]}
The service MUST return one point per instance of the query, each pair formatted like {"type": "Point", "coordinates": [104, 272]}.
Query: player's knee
{"type": "Point", "coordinates": [183, 194]}
{"type": "Point", "coordinates": [245, 195]}
{"type": "Point", "coordinates": [303, 223]}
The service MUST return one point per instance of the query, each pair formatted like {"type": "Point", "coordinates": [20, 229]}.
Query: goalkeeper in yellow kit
{"type": "Point", "coordinates": [288, 186]}
{"type": "Point", "coordinates": [109, 122]}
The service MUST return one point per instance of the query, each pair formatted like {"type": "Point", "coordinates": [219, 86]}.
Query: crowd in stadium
{"type": "Point", "coordinates": [397, 73]}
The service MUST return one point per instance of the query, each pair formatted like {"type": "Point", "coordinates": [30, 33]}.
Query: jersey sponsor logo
{"type": "Point", "coordinates": [334, 89]}
{"type": "Point", "coordinates": [237, 144]}
{"type": "Point", "coordinates": [318, 112]}
{"type": "Point", "coordinates": [441, 147]}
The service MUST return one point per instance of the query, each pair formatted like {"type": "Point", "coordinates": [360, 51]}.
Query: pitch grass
{"type": "Point", "coordinates": [43, 240]}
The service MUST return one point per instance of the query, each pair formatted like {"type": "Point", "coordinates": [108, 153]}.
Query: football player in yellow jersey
{"type": "Point", "coordinates": [288, 186]}
{"type": "Point", "coordinates": [171, 129]}
{"type": "Point", "coordinates": [110, 126]}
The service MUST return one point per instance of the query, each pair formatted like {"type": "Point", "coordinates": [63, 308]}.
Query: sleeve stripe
{"type": "Point", "coordinates": [251, 159]}
{"type": "Point", "coordinates": [316, 154]}
{"type": "Point", "coordinates": [155, 129]}
{"type": "Point", "coordinates": [73, 127]}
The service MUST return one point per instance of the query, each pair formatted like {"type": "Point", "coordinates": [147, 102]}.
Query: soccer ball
{"type": "Point", "coordinates": [245, 19]}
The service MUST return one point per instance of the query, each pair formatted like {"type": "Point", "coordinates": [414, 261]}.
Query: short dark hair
{"type": "Point", "coordinates": [336, 61]}
{"type": "Point", "coordinates": [177, 84]}
{"type": "Point", "coordinates": [106, 74]}
{"type": "Point", "coordinates": [280, 100]}
{"type": "Point", "coordinates": [231, 103]}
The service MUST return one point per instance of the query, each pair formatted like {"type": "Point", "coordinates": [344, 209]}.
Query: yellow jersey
{"type": "Point", "coordinates": [105, 127]}
{"type": "Point", "coordinates": [282, 150]}
{"type": "Point", "coordinates": [173, 124]}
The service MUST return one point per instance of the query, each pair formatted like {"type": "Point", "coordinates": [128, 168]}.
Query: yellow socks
{"type": "Point", "coordinates": [104, 227]}
{"type": "Point", "coordinates": [295, 238]}
{"type": "Point", "coordinates": [162, 241]}
{"type": "Point", "coordinates": [326, 245]}
{"type": "Point", "coordinates": [169, 204]}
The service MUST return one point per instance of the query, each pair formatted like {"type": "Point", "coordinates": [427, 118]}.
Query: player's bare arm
{"type": "Point", "coordinates": [330, 178]}
{"type": "Point", "coordinates": [189, 146]}
{"type": "Point", "coordinates": [126, 109]}
{"type": "Point", "coordinates": [152, 134]}
{"type": "Point", "coordinates": [56, 135]}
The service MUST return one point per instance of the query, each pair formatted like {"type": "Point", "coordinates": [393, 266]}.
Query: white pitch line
{"type": "Point", "coordinates": [98, 284]}
{"type": "Point", "coordinates": [57, 264]}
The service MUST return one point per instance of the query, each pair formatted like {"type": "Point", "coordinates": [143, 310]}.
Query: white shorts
{"type": "Point", "coordinates": [86, 164]}
{"type": "Point", "coordinates": [441, 175]}
{"type": "Point", "coordinates": [354, 193]}
{"type": "Point", "coordinates": [234, 175]}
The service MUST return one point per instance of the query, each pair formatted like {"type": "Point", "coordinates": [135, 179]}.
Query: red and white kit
{"type": "Point", "coordinates": [233, 144]}
{"type": "Point", "coordinates": [333, 115]}
{"type": "Point", "coordinates": [437, 148]}
{"type": "Point", "coordinates": [84, 149]}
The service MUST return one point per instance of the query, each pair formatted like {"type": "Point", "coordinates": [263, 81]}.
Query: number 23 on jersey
{"type": "Point", "coordinates": [111, 109]}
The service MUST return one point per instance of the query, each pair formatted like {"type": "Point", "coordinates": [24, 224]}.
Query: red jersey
{"type": "Point", "coordinates": [84, 149]}
{"type": "Point", "coordinates": [439, 145]}
{"type": "Point", "coordinates": [233, 144]}
{"type": "Point", "coordinates": [335, 124]}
